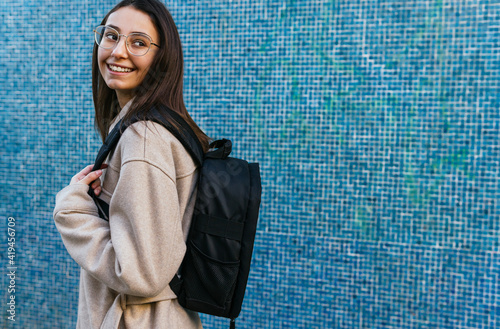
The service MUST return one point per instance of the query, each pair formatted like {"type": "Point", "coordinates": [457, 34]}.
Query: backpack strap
{"type": "Point", "coordinates": [108, 145]}
{"type": "Point", "coordinates": [183, 132]}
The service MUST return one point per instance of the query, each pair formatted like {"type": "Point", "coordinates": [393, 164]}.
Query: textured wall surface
{"type": "Point", "coordinates": [376, 125]}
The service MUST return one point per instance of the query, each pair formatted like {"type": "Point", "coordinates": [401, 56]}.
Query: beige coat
{"type": "Point", "coordinates": [128, 262]}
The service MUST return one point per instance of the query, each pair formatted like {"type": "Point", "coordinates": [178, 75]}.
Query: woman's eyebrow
{"type": "Point", "coordinates": [118, 29]}
{"type": "Point", "coordinates": [114, 26]}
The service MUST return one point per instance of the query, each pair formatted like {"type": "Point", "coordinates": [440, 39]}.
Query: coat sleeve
{"type": "Point", "coordinates": [141, 247]}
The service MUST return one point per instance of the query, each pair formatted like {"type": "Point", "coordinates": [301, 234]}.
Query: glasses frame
{"type": "Point", "coordinates": [126, 39]}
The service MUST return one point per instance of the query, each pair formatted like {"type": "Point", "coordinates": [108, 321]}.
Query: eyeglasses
{"type": "Point", "coordinates": [138, 44]}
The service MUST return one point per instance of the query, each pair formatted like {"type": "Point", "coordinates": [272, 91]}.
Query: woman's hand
{"type": "Point", "coordinates": [88, 177]}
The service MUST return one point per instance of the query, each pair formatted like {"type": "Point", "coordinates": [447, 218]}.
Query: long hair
{"type": "Point", "coordinates": [162, 85]}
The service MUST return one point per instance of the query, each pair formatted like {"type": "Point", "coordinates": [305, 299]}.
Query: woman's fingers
{"type": "Point", "coordinates": [97, 191]}
{"type": "Point", "coordinates": [86, 176]}
{"type": "Point", "coordinates": [96, 184]}
{"type": "Point", "coordinates": [91, 177]}
{"type": "Point", "coordinates": [84, 172]}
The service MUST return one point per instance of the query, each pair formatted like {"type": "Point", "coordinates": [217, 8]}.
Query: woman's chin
{"type": "Point", "coordinates": [117, 86]}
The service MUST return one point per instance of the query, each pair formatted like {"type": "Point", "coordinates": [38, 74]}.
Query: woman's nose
{"type": "Point", "coordinates": [120, 49]}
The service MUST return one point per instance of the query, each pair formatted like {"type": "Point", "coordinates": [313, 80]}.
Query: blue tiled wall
{"type": "Point", "coordinates": [376, 125]}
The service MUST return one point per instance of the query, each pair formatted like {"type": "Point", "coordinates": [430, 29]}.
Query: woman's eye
{"type": "Point", "coordinates": [139, 43]}
{"type": "Point", "coordinates": [111, 36]}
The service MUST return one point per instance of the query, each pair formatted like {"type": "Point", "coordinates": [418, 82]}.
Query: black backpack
{"type": "Point", "coordinates": [214, 272]}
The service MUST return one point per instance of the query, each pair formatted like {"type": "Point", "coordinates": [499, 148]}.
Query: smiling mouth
{"type": "Point", "coordinates": [120, 69]}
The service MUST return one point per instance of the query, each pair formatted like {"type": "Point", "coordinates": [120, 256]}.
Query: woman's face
{"type": "Point", "coordinates": [132, 69]}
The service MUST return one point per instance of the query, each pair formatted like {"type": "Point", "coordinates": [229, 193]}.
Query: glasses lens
{"type": "Point", "coordinates": [106, 37]}
{"type": "Point", "coordinates": [138, 44]}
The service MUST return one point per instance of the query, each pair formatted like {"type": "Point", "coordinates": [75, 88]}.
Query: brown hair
{"type": "Point", "coordinates": [162, 85]}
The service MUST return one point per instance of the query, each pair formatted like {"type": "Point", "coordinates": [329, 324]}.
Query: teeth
{"type": "Point", "coordinates": [119, 69]}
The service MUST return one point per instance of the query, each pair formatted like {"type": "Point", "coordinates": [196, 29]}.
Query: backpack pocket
{"type": "Point", "coordinates": [211, 281]}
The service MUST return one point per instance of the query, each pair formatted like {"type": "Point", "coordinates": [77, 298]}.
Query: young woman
{"type": "Point", "coordinates": [149, 183]}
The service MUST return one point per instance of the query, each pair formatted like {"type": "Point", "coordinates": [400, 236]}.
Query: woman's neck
{"type": "Point", "coordinates": [124, 96]}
